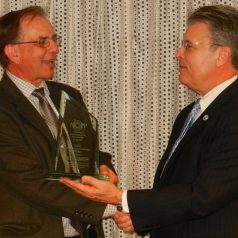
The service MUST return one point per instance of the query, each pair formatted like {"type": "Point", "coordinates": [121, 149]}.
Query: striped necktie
{"type": "Point", "coordinates": [47, 111]}
{"type": "Point", "coordinates": [191, 118]}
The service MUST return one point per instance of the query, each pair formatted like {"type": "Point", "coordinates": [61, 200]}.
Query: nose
{"type": "Point", "coordinates": [53, 47]}
{"type": "Point", "coordinates": [180, 53]}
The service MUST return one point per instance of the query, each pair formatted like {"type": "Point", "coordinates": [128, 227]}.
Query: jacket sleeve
{"type": "Point", "coordinates": [25, 162]}
{"type": "Point", "coordinates": [202, 179]}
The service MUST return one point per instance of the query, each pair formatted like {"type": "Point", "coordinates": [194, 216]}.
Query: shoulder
{"type": "Point", "coordinates": [57, 86]}
{"type": "Point", "coordinates": [55, 89]}
{"type": "Point", "coordinates": [61, 86]}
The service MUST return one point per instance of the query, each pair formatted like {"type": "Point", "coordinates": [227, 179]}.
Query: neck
{"type": "Point", "coordinates": [21, 75]}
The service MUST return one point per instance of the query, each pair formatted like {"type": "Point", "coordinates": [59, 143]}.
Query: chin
{"type": "Point", "coordinates": [182, 80]}
{"type": "Point", "coordinates": [48, 76]}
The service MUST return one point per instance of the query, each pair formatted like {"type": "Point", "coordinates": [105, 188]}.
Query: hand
{"type": "Point", "coordinates": [123, 221]}
{"type": "Point", "coordinates": [105, 170]}
{"type": "Point", "coordinates": [95, 189]}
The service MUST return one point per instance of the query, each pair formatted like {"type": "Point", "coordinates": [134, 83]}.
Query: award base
{"type": "Point", "coordinates": [74, 176]}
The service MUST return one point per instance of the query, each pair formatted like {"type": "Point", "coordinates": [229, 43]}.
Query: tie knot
{"type": "Point", "coordinates": [196, 106]}
{"type": "Point", "coordinates": [39, 92]}
{"type": "Point", "coordinates": [194, 114]}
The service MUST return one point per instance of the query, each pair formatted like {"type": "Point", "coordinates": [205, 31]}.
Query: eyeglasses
{"type": "Point", "coordinates": [43, 42]}
{"type": "Point", "coordinates": [187, 45]}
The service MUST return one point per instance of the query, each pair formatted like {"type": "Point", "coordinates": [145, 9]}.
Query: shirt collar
{"type": "Point", "coordinates": [25, 87]}
{"type": "Point", "coordinates": [208, 98]}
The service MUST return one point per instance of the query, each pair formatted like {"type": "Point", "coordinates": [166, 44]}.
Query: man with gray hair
{"type": "Point", "coordinates": [195, 192]}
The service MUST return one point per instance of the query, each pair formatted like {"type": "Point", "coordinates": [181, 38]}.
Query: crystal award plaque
{"type": "Point", "coordinates": [77, 151]}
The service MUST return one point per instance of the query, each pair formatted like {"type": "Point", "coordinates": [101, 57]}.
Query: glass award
{"type": "Point", "coordinates": [77, 151]}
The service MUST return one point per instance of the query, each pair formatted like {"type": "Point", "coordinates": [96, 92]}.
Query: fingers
{"type": "Point", "coordinates": [89, 180]}
{"type": "Point", "coordinates": [76, 185]}
{"type": "Point", "coordinates": [94, 189]}
{"type": "Point", "coordinates": [124, 222]}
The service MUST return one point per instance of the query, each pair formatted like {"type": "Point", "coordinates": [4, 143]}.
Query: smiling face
{"type": "Point", "coordinates": [29, 61]}
{"type": "Point", "coordinates": [198, 58]}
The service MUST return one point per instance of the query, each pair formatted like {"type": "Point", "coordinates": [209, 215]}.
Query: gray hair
{"type": "Point", "coordinates": [223, 22]}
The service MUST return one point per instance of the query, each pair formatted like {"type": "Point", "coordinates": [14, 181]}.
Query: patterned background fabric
{"type": "Point", "coordinates": [121, 55]}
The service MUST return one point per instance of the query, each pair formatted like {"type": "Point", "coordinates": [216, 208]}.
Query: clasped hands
{"type": "Point", "coordinates": [102, 191]}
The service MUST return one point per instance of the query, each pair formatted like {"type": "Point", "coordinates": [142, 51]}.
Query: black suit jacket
{"type": "Point", "coordinates": [197, 195]}
{"type": "Point", "coordinates": [31, 206]}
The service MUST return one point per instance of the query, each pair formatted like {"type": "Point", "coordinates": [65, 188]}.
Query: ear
{"type": "Point", "coordinates": [224, 55]}
{"type": "Point", "coordinates": [12, 52]}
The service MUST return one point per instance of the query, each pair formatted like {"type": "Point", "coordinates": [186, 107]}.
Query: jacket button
{"type": "Point", "coordinates": [77, 212]}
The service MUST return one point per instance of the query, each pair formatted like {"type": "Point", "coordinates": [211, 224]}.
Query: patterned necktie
{"type": "Point", "coordinates": [47, 111]}
{"type": "Point", "coordinates": [191, 118]}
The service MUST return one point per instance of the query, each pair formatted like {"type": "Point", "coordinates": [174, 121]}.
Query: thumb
{"type": "Point", "coordinates": [104, 170]}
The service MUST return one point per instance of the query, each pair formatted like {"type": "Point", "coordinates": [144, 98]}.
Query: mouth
{"type": "Point", "coordinates": [50, 62]}
{"type": "Point", "coordinates": [182, 67]}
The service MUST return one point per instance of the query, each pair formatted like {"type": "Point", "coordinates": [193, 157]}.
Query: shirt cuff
{"type": "Point", "coordinates": [124, 202]}
{"type": "Point", "coordinates": [109, 211]}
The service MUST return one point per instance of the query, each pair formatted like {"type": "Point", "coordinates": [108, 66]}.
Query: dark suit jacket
{"type": "Point", "coordinates": [197, 195]}
{"type": "Point", "coordinates": [31, 206]}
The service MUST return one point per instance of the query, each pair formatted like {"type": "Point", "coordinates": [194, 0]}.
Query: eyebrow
{"type": "Point", "coordinates": [47, 37]}
{"type": "Point", "coordinates": [187, 41]}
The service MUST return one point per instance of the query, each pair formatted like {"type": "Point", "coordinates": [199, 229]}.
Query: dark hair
{"type": "Point", "coordinates": [223, 22]}
{"type": "Point", "coordinates": [10, 25]}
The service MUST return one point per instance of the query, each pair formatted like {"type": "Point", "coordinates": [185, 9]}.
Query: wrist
{"type": "Point", "coordinates": [118, 199]}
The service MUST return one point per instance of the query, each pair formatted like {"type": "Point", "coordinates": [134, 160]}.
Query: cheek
{"type": "Point", "coordinates": [31, 59]}
{"type": "Point", "coordinates": [192, 72]}
{"type": "Point", "coordinates": [194, 61]}
{"type": "Point", "coordinates": [201, 63]}
{"type": "Point", "coordinates": [206, 65]}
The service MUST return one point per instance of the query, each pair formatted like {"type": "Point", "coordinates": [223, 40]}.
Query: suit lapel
{"type": "Point", "coordinates": [201, 122]}
{"type": "Point", "coordinates": [55, 94]}
{"type": "Point", "coordinates": [25, 108]}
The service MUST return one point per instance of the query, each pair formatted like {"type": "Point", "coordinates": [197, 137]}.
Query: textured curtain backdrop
{"type": "Point", "coordinates": [121, 55]}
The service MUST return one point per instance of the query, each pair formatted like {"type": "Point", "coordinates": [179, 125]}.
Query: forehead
{"type": "Point", "coordinates": [37, 26]}
{"type": "Point", "coordinates": [197, 31]}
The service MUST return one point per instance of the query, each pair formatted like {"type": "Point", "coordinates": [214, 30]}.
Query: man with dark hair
{"type": "Point", "coordinates": [32, 206]}
{"type": "Point", "coordinates": [195, 192]}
